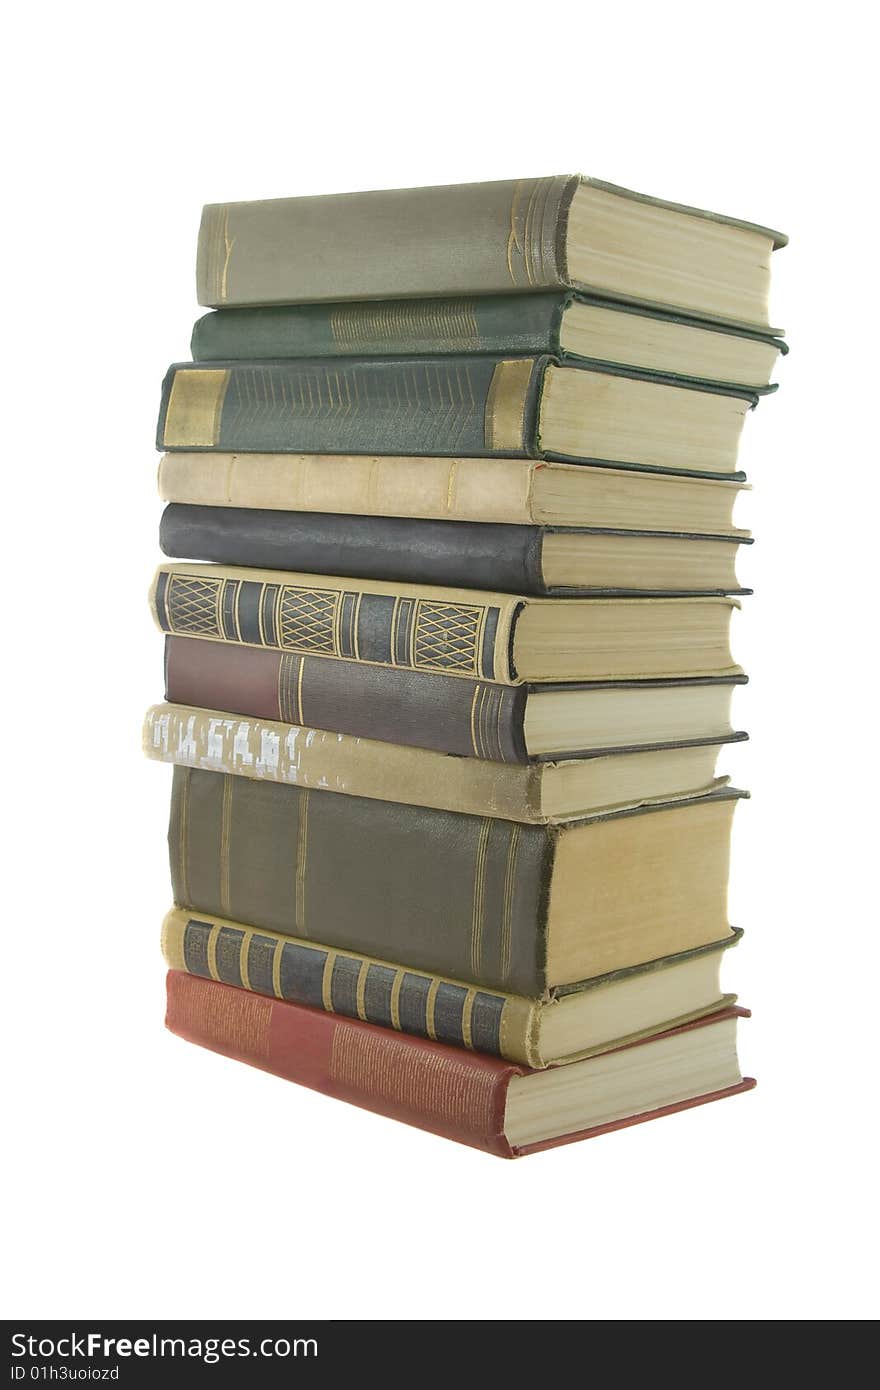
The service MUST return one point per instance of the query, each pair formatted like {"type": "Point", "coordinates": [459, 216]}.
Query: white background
{"type": "Point", "coordinates": [147, 1178]}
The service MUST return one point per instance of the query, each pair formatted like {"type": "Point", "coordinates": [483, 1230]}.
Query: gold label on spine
{"type": "Point", "coordinates": [195, 405]}
{"type": "Point", "coordinates": [506, 404]}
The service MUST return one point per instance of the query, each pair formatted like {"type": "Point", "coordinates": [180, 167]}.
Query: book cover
{"type": "Point", "coordinates": [448, 1091]}
{"type": "Point", "coordinates": [391, 996]}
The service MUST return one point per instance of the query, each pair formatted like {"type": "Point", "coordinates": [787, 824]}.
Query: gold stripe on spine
{"type": "Point", "coordinates": [301, 862]}
{"type": "Point", "coordinates": [429, 1009]}
{"type": "Point", "coordinates": [227, 244]}
{"type": "Point", "coordinates": [499, 705]}
{"type": "Point", "coordinates": [359, 329]}
{"type": "Point", "coordinates": [276, 969]}
{"type": "Point", "coordinates": [183, 836]}
{"type": "Point", "coordinates": [327, 982]}
{"type": "Point", "coordinates": [195, 406]}
{"type": "Point", "coordinates": [507, 900]}
{"type": "Point", "coordinates": [361, 991]}
{"type": "Point", "coordinates": [514, 242]}
{"type": "Point", "coordinates": [466, 1016]}
{"type": "Point", "coordinates": [478, 690]}
{"type": "Point", "coordinates": [225, 835]}
{"type": "Point", "coordinates": [479, 906]}
{"type": "Point", "coordinates": [395, 999]}
{"type": "Point", "coordinates": [300, 719]}
{"type": "Point", "coordinates": [212, 951]}
{"type": "Point", "coordinates": [244, 952]}
{"type": "Point", "coordinates": [506, 404]}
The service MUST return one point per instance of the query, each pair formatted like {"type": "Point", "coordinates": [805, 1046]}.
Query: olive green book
{"type": "Point", "coordinates": [523, 235]}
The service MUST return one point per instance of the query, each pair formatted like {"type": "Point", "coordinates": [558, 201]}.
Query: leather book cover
{"type": "Point", "coordinates": [477, 405]}
{"type": "Point", "coordinates": [463, 633]}
{"type": "Point", "coordinates": [479, 555]}
{"type": "Point", "coordinates": [472, 718]}
{"type": "Point", "coordinates": [462, 896]}
{"type": "Point", "coordinates": [377, 991]}
{"type": "Point", "coordinates": [480, 405]}
{"type": "Point", "coordinates": [446, 1090]}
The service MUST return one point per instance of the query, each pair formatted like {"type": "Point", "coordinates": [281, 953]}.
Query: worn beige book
{"type": "Point", "coordinates": [315, 759]}
{"type": "Point", "coordinates": [511, 490]}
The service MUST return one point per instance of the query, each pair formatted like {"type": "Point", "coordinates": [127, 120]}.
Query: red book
{"type": "Point", "coordinates": [479, 1100]}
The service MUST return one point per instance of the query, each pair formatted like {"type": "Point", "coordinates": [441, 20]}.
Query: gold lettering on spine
{"type": "Point", "coordinates": [276, 968]}
{"type": "Point", "coordinates": [195, 408]}
{"type": "Point", "coordinates": [504, 420]}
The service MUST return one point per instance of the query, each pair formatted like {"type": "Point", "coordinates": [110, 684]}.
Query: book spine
{"type": "Point", "coordinates": [481, 555]}
{"type": "Point", "coordinates": [474, 719]}
{"type": "Point", "coordinates": [355, 986]}
{"type": "Point", "coordinates": [336, 764]}
{"type": "Point", "coordinates": [504, 324]}
{"type": "Point", "coordinates": [463, 897]}
{"type": "Point", "coordinates": [463, 634]}
{"type": "Point", "coordinates": [478, 405]}
{"type": "Point", "coordinates": [446, 489]}
{"type": "Point", "coordinates": [393, 244]}
{"type": "Point", "coordinates": [445, 1090]}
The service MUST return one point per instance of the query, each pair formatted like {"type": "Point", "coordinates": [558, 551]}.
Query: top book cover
{"type": "Point", "coordinates": [525, 235]}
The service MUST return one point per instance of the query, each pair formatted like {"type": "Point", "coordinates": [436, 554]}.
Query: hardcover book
{"type": "Point", "coordinates": [532, 407]}
{"type": "Point", "coordinates": [561, 325]}
{"type": "Point", "coordinates": [518, 235]}
{"type": "Point", "coordinates": [473, 718]}
{"type": "Point", "coordinates": [508, 638]}
{"type": "Point", "coordinates": [515, 907]}
{"type": "Point", "coordinates": [542, 560]}
{"type": "Point", "coordinates": [563, 1026]}
{"type": "Point", "coordinates": [512, 491]}
{"type": "Point", "coordinates": [536, 794]}
{"type": "Point", "coordinates": [482, 1101]}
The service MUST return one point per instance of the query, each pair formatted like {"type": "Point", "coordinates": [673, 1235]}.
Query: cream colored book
{"type": "Point", "coordinates": [315, 759]}
{"type": "Point", "coordinates": [511, 490]}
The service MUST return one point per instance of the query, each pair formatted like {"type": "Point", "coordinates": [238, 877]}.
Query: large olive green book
{"type": "Point", "coordinates": [534, 793]}
{"type": "Point", "coordinates": [520, 908]}
{"type": "Point", "coordinates": [566, 1024]}
{"type": "Point", "coordinates": [508, 638]}
{"type": "Point", "coordinates": [526, 235]}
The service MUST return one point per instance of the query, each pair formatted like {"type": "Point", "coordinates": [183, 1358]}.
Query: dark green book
{"type": "Point", "coordinates": [520, 908]}
{"type": "Point", "coordinates": [581, 327]}
{"type": "Point", "coordinates": [455, 406]}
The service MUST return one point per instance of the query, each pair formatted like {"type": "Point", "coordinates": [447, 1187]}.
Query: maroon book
{"type": "Point", "coordinates": [448, 1091]}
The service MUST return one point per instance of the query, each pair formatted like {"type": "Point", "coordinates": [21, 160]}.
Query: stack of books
{"type": "Point", "coordinates": [450, 487]}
